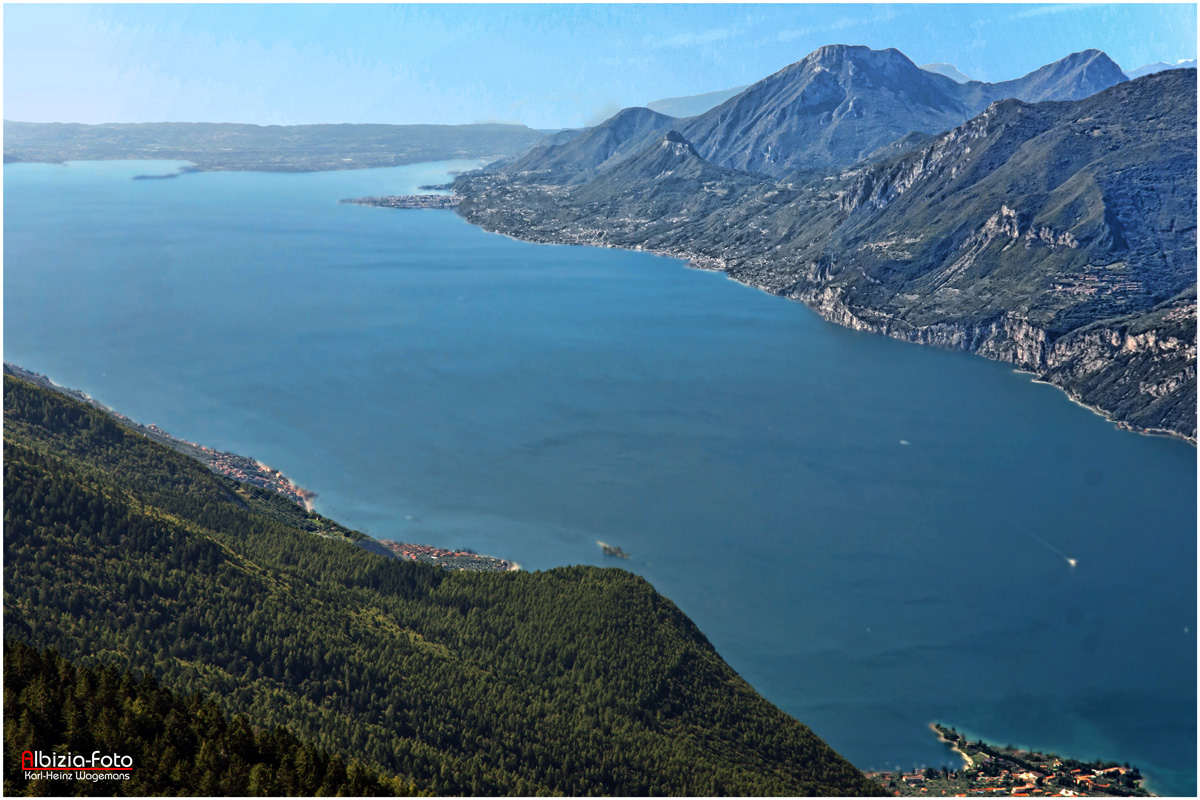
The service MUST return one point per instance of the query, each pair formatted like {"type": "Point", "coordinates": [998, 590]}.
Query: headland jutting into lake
{"type": "Point", "coordinates": [990, 771]}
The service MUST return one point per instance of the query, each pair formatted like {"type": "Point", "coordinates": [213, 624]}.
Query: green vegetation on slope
{"type": "Point", "coordinates": [579, 680]}
{"type": "Point", "coordinates": [179, 746]}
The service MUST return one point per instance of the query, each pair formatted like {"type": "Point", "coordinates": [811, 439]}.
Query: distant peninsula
{"type": "Point", "coordinates": [264, 148]}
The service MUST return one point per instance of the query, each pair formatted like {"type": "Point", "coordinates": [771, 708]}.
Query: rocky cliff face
{"type": "Point", "coordinates": [1144, 381]}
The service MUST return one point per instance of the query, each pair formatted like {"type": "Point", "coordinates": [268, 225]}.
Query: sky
{"type": "Point", "coordinates": [546, 66]}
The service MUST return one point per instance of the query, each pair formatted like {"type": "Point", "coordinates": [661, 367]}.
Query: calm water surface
{"type": "Point", "coordinates": [874, 534]}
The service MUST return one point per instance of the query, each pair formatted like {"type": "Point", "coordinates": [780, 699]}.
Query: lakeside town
{"type": "Point", "coordinates": [408, 201]}
{"type": "Point", "coordinates": [1007, 771]}
{"type": "Point", "coordinates": [449, 559]}
{"type": "Point", "coordinates": [239, 468]}
{"type": "Point", "coordinates": [250, 471]}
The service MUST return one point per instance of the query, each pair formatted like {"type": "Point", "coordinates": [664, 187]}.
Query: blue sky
{"type": "Point", "coordinates": [547, 66]}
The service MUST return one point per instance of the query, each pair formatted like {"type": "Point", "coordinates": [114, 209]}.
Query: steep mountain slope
{"type": "Point", "coordinates": [831, 108]}
{"type": "Point", "coordinates": [842, 102]}
{"type": "Point", "coordinates": [179, 745]}
{"type": "Point", "coordinates": [669, 164]}
{"type": "Point", "coordinates": [1075, 77]}
{"type": "Point", "coordinates": [1047, 195]}
{"type": "Point", "coordinates": [582, 156]}
{"type": "Point", "coordinates": [1058, 236]}
{"type": "Point", "coordinates": [119, 551]}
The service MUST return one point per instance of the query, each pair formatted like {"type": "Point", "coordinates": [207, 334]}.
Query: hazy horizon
{"type": "Point", "coordinates": [547, 66]}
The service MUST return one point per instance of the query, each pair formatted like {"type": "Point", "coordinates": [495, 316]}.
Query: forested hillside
{"type": "Point", "coordinates": [580, 680]}
{"type": "Point", "coordinates": [177, 745]}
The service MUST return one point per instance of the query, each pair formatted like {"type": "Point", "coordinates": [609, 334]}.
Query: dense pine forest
{"type": "Point", "coordinates": [181, 746]}
{"type": "Point", "coordinates": [579, 680]}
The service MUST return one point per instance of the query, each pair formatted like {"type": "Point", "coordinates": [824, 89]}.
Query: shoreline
{"type": "Point", "coordinates": [968, 762]}
{"type": "Point", "coordinates": [1099, 412]}
{"type": "Point", "coordinates": [250, 471]}
{"type": "Point", "coordinates": [1012, 770]}
{"type": "Point", "coordinates": [234, 466]}
{"type": "Point", "coordinates": [463, 559]}
{"type": "Point", "coordinates": [692, 262]}
{"type": "Point", "coordinates": [263, 168]}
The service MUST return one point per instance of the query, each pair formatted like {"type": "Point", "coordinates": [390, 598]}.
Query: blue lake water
{"type": "Point", "coordinates": [873, 533]}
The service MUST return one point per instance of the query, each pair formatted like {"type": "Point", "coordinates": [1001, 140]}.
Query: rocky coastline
{"type": "Point", "coordinates": [1008, 338]}
{"type": "Point", "coordinates": [978, 239]}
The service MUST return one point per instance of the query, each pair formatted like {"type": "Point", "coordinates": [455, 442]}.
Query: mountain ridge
{"type": "Point", "coordinates": [1159, 66]}
{"type": "Point", "coordinates": [588, 152]}
{"type": "Point", "coordinates": [1036, 233]}
{"type": "Point", "coordinates": [829, 110]}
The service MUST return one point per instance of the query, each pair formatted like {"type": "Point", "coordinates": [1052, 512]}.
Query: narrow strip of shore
{"type": "Point", "coordinates": [236, 467]}
{"type": "Point", "coordinates": [967, 760]}
{"type": "Point", "coordinates": [695, 261]}
{"type": "Point", "coordinates": [255, 473]}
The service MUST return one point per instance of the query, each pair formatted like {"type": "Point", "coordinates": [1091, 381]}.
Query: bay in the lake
{"type": "Point", "coordinates": [874, 534]}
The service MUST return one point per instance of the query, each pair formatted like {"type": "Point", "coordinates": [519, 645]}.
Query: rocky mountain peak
{"type": "Point", "coordinates": [675, 143]}
{"type": "Point", "coordinates": [848, 59]}
{"type": "Point", "coordinates": [636, 117]}
{"type": "Point", "coordinates": [1074, 77]}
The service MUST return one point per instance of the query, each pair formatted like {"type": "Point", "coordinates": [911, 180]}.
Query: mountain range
{"type": "Point", "coordinates": [695, 105]}
{"type": "Point", "coordinates": [1159, 66]}
{"type": "Point", "coordinates": [832, 109]}
{"type": "Point", "coordinates": [1055, 232]}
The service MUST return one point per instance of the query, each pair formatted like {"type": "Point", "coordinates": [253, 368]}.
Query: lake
{"type": "Point", "coordinates": [874, 534]}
